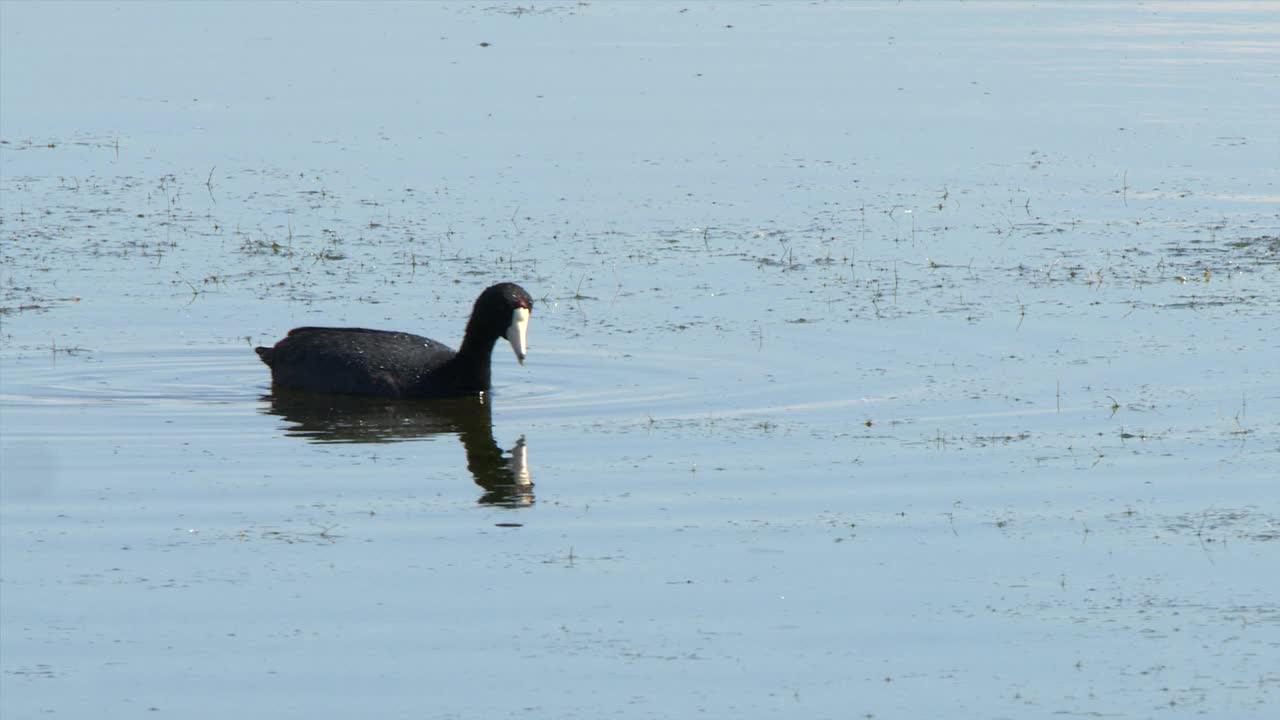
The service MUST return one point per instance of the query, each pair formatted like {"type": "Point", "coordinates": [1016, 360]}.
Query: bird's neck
{"type": "Point", "coordinates": [469, 370]}
{"type": "Point", "coordinates": [475, 345]}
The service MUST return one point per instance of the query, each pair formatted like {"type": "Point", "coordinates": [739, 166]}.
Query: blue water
{"type": "Point", "coordinates": [887, 360]}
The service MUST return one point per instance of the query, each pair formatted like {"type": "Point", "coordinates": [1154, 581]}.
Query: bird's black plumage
{"type": "Point", "coordinates": [359, 361]}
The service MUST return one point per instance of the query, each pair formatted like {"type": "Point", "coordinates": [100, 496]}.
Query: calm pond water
{"type": "Point", "coordinates": [889, 360]}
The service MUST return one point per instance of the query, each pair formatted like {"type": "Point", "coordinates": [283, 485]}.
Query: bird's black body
{"type": "Point", "coordinates": [358, 361]}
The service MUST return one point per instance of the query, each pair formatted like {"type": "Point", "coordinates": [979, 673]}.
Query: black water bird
{"type": "Point", "coordinates": [358, 361]}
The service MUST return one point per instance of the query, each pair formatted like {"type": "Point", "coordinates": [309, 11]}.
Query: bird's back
{"type": "Point", "coordinates": [354, 360]}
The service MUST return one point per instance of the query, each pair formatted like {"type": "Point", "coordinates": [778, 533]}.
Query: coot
{"type": "Point", "coordinates": [358, 361]}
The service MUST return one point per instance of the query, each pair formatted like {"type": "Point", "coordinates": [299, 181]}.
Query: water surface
{"type": "Point", "coordinates": [888, 360]}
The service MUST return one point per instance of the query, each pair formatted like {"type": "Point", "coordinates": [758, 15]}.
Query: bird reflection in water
{"type": "Point", "coordinates": [325, 418]}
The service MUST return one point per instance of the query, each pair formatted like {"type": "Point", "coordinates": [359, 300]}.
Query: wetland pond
{"type": "Point", "coordinates": [888, 360]}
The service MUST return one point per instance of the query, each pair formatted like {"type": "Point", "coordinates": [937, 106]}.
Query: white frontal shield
{"type": "Point", "coordinates": [516, 333]}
